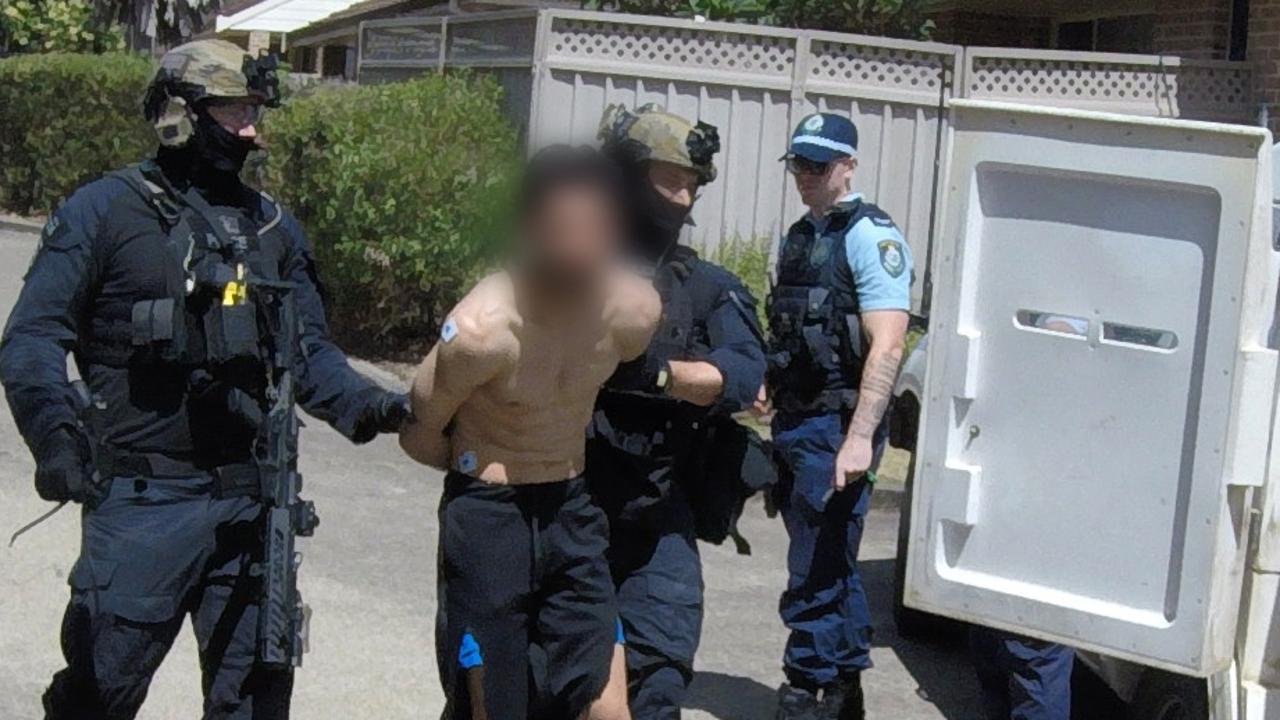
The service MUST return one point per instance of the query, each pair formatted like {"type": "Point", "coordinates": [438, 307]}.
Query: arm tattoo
{"type": "Point", "coordinates": [875, 392]}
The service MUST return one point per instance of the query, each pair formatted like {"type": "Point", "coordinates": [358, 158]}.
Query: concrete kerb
{"type": "Point", "coordinates": [17, 223]}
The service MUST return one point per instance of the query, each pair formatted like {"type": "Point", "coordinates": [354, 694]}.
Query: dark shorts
{"type": "Point", "coordinates": [523, 581]}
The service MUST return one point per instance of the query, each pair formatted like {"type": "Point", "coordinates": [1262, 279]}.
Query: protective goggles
{"type": "Point", "coordinates": [797, 165]}
{"type": "Point", "coordinates": [235, 111]}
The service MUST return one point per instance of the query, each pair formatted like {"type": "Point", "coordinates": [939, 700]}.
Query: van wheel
{"type": "Point", "coordinates": [911, 623]}
{"type": "Point", "coordinates": [1166, 696]}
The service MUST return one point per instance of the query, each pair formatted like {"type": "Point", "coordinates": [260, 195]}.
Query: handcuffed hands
{"type": "Point", "coordinates": [64, 468]}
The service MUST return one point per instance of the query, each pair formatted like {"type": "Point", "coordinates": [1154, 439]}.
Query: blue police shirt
{"type": "Point", "coordinates": [880, 260]}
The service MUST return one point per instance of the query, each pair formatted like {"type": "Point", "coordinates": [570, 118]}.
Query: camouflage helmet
{"type": "Point", "coordinates": [200, 70]}
{"type": "Point", "coordinates": [652, 133]}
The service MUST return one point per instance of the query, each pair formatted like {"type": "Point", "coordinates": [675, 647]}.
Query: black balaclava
{"type": "Point", "coordinates": [211, 160]}
{"type": "Point", "coordinates": [217, 148]}
{"type": "Point", "coordinates": [656, 221]}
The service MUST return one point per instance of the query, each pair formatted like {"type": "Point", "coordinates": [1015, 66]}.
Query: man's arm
{"type": "Point", "coordinates": [42, 329]}
{"type": "Point", "coordinates": [635, 312]}
{"type": "Point", "coordinates": [475, 346]}
{"type": "Point", "coordinates": [887, 331]}
{"type": "Point", "coordinates": [881, 264]}
{"type": "Point", "coordinates": [44, 324]}
{"type": "Point", "coordinates": [328, 387]}
{"type": "Point", "coordinates": [733, 370]}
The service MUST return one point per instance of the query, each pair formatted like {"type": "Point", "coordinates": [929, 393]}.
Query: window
{"type": "Point", "coordinates": [1122, 33]}
{"type": "Point", "coordinates": [335, 61]}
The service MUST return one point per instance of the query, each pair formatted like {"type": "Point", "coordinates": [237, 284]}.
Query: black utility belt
{"type": "Point", "coordinates": [827, 401]}
{"type": "Point", "coordinates": [229, 481]}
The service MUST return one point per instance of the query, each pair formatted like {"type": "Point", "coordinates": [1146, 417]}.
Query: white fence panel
{"type": "Point", "coordinates": [1153, 85]}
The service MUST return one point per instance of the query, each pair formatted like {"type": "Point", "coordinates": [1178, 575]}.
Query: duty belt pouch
{"type": "Point", "coordinates": [734, 464]}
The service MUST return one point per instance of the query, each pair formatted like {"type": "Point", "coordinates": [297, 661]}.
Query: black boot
{"type": "Point", "coordinates": [844, 701]}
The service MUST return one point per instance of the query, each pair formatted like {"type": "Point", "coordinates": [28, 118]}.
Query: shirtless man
{"type": "Point", "coordinates": [502, 402]}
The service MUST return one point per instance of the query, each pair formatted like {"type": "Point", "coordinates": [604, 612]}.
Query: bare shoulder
{"type": "Point", "coordinates": [633, 312]}
{"type": "Point", "coordinates": [482, 326]}
{"type": "Point", "coordinates": [633, 301]}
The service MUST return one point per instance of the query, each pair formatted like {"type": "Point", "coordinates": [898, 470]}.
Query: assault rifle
{"type": "Point", "coordinates": [282, 616]}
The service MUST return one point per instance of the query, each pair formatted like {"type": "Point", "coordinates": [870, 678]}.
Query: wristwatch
{"type": "Point", "coordinates": [664, 377]}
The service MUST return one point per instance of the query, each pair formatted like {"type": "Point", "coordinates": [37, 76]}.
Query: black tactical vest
{"type": "Point", "coordinates": [177, 351]}
{"type": "Point", "coordinates": [189, 318]}
{"type": "Point", "coordinates": [815, 345]}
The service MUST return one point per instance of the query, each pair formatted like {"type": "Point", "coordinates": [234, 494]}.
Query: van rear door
{"type": "Point", "coordinates": [1099, 384]}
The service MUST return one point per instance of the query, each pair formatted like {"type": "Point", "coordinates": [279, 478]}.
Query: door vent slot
{"type": "Point", "coordinates": [1139, 337]}
{"type": "Point", "coordinates": [1052, 323]}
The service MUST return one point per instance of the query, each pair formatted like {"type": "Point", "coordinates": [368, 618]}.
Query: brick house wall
{"type": "Point", "coordinates": [1197, 29]}
{"type": "Point", "coordinates": [966, 27]}
{"type": "Point", "coordinates": [1264, 53]}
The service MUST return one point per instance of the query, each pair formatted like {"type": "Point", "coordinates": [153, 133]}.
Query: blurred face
{"type": "Point", "coordinates": [573, 234]}
{"type": "Point", "coordinates": [821, 185]}
{"type": "Point", "coordinates": [678, 185]}
{"type": "Point", "coordinates": [238, 117]}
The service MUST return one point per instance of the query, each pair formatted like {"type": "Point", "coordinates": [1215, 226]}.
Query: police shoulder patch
{"type": "Point", "coordinates": [891, 257]}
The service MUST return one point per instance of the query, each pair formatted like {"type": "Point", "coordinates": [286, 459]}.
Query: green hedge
{"type": "Point", "coordinates": [64, 120]}
{"type": "Point", "coordinates": [400, 187]}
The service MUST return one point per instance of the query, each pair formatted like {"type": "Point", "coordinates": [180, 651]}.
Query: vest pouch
{"type": "Point", "coordinates": [159, 328]}
{"type": "Point", "coordinates": [801, 353]}
{"type": "Point", "coordinates": [231, 331]}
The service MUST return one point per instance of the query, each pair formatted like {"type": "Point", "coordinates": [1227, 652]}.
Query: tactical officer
{"type": "Point", "coordinates": [837, 319]}
{"type": "Point", "coordinates": [705, 362]}
{"type": "Point", "coordinates": [138, 276]}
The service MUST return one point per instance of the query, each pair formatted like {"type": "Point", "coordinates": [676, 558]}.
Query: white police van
{"type": "Point", "coordinates": [1106, 482]}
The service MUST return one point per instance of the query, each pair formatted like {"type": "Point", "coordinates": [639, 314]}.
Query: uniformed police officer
{"type": "Point", "coordinates": [837, 319]}
{"type": "Point", "coordinates": [121, 281]}
{"type": "Point", "coordinates": [706, 361]}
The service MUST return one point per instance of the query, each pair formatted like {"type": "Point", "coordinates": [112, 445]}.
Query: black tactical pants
{"type": "Point", "coordinates": [154, 552]}
{"type": "Point", "coordinates": [653, 557]}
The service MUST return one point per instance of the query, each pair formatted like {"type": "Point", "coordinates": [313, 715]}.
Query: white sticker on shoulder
{"type": "Point", "coordinates": [449, 330]}
{"type": "Point", "coordinates": [467, 462]}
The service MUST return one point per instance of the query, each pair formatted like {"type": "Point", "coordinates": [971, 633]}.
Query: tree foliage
{"type": "Point", "coordinates": [891, 18]}
{"type": "Point", "coordinates": [98, 26]}
{"type": "Point", "coordinates": [56, 26]}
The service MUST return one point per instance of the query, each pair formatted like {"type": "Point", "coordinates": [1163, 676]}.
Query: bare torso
{"type": "Point", "coordinates": [521, 389]}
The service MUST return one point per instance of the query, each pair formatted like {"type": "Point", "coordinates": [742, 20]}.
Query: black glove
{"type": "Point", "coordinates": [387, 412]}
{"type": "Point", "coordinates": [64, 467]}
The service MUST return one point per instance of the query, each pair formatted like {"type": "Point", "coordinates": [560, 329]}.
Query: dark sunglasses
{"type": "Point", "coordinates": [805, 166]}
